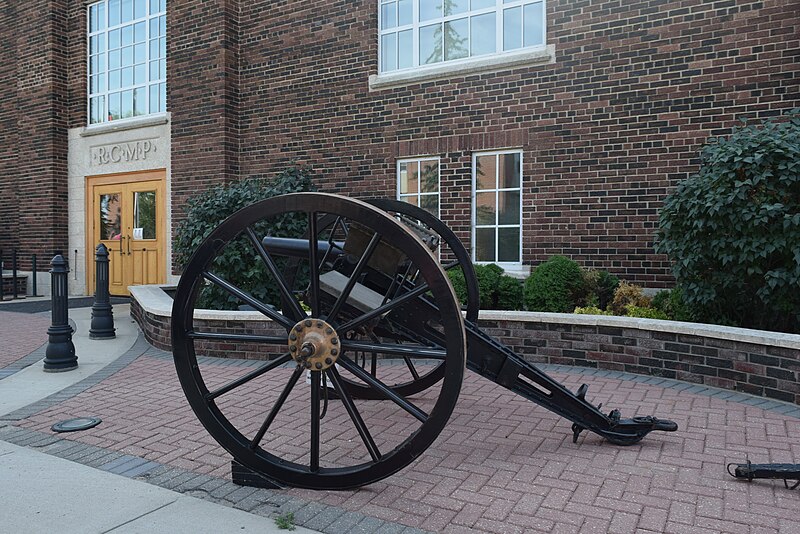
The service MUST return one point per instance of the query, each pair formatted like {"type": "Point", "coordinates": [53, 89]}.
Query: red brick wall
{"type": "Point", "coordinates": [606, 130]}
{"type": "Point", "coordinates": [33, 156]}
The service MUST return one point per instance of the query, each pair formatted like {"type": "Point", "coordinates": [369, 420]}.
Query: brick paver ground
{"type": "Point", "coordinates": [21, 334]}
{"type": "Point", "coordinates": [502, 464]}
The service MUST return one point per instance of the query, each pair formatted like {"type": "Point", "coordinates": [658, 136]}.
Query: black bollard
{"type": "Point", "coordinates": [102, 316]}
{"type": "Point", "coordinates": [33, 276]}
{"type": "Point", "coordinates": [60, 352]}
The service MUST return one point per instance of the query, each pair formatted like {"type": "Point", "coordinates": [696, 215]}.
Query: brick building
{"type": "Point", "coordinates": [532, 127]}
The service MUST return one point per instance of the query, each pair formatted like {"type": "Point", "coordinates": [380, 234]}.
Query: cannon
{"type": "Point", "coordinates": [368, 346]}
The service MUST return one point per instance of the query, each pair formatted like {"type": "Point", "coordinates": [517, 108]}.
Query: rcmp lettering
{"type": "Point", "coordinates": [122, 152]}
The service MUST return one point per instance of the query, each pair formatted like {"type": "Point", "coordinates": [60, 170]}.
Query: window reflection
{"type": "Point", "coordinates": [110, 216]}
{"type": "Point", "coordinates": [144, 215]}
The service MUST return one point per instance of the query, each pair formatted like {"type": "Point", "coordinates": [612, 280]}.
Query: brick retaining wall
{"type": "Point", "coordinates": [751, 361]}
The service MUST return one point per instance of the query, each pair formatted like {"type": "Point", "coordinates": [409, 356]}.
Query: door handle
{"type": "Point", "coordinates": [129, 245]}
{"type": "Point", "coordinates": [121, 239]}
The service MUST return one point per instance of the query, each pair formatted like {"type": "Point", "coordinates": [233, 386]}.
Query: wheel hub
{"type": "Point", "coordinates": [314, 344]}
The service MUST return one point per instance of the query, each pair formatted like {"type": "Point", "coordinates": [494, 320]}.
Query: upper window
{"type": "Point", "coordinates": [418, 183]}
{"type": "Point", "coordinates": [127, 67]}
{"type": "Point", "coordinates": [424, 32]}
{"type": "Point", "coordinates": [497, 207]}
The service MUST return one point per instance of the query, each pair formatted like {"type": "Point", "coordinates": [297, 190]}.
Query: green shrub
{"type": "Point", "coordinates": [644, 312]}
{"type": "Point", "coordinates": [509, 293]}
{"type": "Point", "coordinates": [625, 295]}
{"type": "Point", "coordinates": [459, 284]}
{"type": "Point", "coordinates": [238, 262]}
{"type": "Point", "coordinates": [732, 231]}
{"type": "Point", "coordinates": [488, 277]}
{"type": "Point", "coordinates": [591, 310]}
{"type": "Point", "coordinates": [599, 287]}
{"type": "Point", "coordinates": [498, 291]}
{"type": "Point", "coordinates": [672, 304]}
{"type": "Point", "coordinates": [554, 286]}
{"type": "Point", "coordinates": [661, 300]}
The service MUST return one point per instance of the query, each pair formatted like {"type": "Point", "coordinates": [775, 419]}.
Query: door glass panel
{"type": "Point", "coordinates": [144, 215]}
{"type": "Point", "coordinates": [110, 216]}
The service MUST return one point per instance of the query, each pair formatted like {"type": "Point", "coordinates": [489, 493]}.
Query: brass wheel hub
{"type": "Point", "coordinates": [314, 344]}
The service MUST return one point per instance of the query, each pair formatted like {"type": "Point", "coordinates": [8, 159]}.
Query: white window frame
{"type": "Point", "coordinates": [510, 266]}
{"type": "Point", "coordinates": [159, 83]}
{"type": "Point", "coordinates": [499, 8]}
{"type": "Point", "coordinates": [418, 160]}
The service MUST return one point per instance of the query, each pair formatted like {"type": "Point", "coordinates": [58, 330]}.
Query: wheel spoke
{"type": "Point", "coordinates": [313, 252]}
{"type": "Point", "coordinates": [350, 406]}
{"type": "Point", "coordinates": [247, 298]}
{"type": "Point", "coordinates": [412, 351]}
{"type": "Point", "coordinates": [315, 385]}
{"type": "Point", "coordinates": [411, 367]}
{"type": "Point", "coordinates": [286, 293]}
{"type": "Point", "coordinates": [250, 338]}
{"type": "Point", "coordinates": [385, 308]}
{"type": "Point", "coordinates": [248, 377]}
{"type": "Point", "coordinates": [348, 288]}
{"type": "Point", "coordinates": [382, 388]}
{"type": "Point", "coordinates": [276, 408]}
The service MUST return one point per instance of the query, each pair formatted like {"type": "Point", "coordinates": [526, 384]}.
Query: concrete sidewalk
{"type": "Point", "coordinates": [44, 493]}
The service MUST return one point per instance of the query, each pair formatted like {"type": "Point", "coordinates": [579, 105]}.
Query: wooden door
{"type": "Point", "coordinates": [128, 218]}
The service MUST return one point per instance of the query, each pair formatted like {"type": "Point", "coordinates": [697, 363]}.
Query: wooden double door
{"type": "Point", "coordinates": [127, 215]}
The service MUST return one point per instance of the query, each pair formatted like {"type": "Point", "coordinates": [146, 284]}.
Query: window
{"type": "Point", "coordinates": [425, 32]}
{"type": "Point", "coordinates": [127, 67]}
{"type": "Point", "coordinates": [418, 183]}
{"type": "Point", "coordinates": [497, 207]}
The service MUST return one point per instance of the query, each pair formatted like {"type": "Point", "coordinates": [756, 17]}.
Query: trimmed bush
{"type": "Point", "coordinates": [488, 277]}
{"type": "Point", "coordinates": [554, 286]}
{"type": "Point", "coordinates": [238, 262]}
{"type": "Point", "coordinates": [509, 293]}
{"type": "Point", "coordinates": [732, 231]}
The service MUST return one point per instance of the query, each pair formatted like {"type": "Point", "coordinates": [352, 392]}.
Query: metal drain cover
{"type": "Point", "coordinates": [73, 425]}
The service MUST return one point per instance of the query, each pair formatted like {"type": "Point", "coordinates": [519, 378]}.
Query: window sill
{"type": "Point", "coordinates": [125, 124]}
{"type": "Point", "coordinates": [443, 71]}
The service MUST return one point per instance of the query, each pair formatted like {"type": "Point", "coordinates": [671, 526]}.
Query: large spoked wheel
{"type": "Point", "coordinates": [263, 413]}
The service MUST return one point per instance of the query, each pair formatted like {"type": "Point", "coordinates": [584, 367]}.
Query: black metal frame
{"type": "Point", "coordinates": [416, 297]}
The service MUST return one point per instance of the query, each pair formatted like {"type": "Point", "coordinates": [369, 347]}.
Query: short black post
{"type": "Point", "coordinates": [102, 316]}
{"type": "Point", "coordinates": [60, 352]}
{"type": "Point", "coordinates": [14, 273]}
{"type": "Point", "coordinates": [34, 292]}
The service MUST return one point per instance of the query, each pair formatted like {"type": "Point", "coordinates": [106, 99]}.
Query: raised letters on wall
{"type": "Point", "coordinates": [123, 152]}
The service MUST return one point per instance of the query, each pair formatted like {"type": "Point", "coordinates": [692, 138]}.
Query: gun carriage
{"type": "Point", "coordinates": [365, 308]}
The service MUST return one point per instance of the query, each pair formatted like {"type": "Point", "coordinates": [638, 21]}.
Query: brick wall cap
{"type": "Point", "coordinates": [155, 301]}
{"type": "Point", "coordinates": [744, 335]}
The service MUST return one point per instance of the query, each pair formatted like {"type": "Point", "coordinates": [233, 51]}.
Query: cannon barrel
{"type": "Point", "coordinates": [298, 248]}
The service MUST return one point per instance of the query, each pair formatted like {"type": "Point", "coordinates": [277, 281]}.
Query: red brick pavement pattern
{"type": "Point", "coordinates": [20, 334]}
{"type": "Point", "coordinates": [501, 465]}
